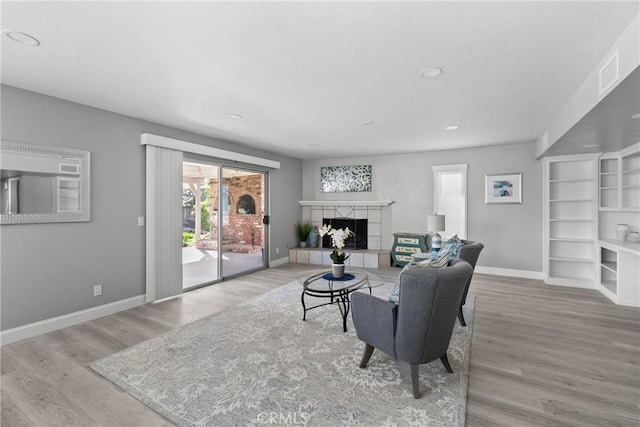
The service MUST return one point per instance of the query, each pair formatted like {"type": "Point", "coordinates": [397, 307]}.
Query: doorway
{"type": "Point", "coordinates": [223, 234]}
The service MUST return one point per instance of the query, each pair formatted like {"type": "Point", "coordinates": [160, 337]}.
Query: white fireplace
{"type": "Point", "coordinates": [372, 211]}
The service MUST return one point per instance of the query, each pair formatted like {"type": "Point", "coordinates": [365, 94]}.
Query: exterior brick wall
{"type": "Point", "coordinates": [245, 231]}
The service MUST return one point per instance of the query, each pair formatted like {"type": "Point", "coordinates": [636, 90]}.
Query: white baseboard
{"type": "Point", "coordinates": [66, 320]}
{"type": "Point", "coordinates": [278, 262]}
{"type": "Point", "coordinates": [522, 274]}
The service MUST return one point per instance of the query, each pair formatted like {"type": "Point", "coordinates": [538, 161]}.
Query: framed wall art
{"type": "Point", "coordinates": [340, 179]}
{"type": "Point", "coordinates": [503, 188]}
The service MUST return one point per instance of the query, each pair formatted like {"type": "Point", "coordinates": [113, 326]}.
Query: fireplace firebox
{"type": "Point", "coordinates": [358, 226]}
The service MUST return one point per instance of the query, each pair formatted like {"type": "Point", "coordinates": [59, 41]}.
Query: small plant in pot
{"type": "Point", "coordinates": [303, 228]}
{"type": "Point", "coordinates": [338, 256]}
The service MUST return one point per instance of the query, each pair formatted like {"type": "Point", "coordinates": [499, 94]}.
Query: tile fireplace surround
{"type": "Point", "coordinates": [373, 257]}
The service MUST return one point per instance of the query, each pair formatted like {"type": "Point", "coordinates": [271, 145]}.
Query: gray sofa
{"type": "Point", "coordinates": [418, 329]}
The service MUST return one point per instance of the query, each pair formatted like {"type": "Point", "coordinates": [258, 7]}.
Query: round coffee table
{"type": "Point", "coordinates": [322, 284]}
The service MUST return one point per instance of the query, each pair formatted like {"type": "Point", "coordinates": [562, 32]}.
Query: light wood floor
{"type": "Point", "coordinates": [541, 356]}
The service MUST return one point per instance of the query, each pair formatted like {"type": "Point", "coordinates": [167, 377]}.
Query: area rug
{"type": "Point", "coordinates": [258, 363]}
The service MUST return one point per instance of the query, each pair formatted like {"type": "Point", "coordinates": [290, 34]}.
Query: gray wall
{"type": "Point", "coordinates": [50, 269]}
{"type": "Point", "coordinates": [512, 233]}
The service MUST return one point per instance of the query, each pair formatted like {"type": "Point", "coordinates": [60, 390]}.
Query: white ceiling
{"type": "Point", "coordinates": [306, 75]}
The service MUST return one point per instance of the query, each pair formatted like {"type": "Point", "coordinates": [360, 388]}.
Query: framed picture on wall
{"type": "Point", "coordinates": [503, 188]}
{"type": "Point", "coordinates": [339, 179]}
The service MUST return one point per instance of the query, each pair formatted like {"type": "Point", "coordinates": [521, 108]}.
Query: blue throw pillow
{"type": "Point", "coordinates": [452, 246]}
{"type": "Point", "coordinates": [395, 294]}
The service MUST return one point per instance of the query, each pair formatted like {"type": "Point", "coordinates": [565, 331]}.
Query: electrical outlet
{"type": "Point", "coordinates": [277, 250]}
{"type": "Point", "coordinates": [97, 290]}
{"type": "Point", "coordinates": [140, 220]}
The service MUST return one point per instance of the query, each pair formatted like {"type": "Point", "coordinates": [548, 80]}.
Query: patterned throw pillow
{"type": "Point", "coordinates": [452, 246]}
{"type": "Point", "coordinates": [440, 260]}
{"type": "Point", "coordinates": [394, 298]}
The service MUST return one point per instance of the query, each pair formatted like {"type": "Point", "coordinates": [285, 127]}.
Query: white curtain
{"type": "Point", "coordinates": [163, 227]}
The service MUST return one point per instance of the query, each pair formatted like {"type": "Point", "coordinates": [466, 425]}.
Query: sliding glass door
{"type": "Point", "coordinates": [200, 259]}
{"type": "Point", "coordinates": [222, 222]}
{"type": "Point", "coordinates": [243, 236]}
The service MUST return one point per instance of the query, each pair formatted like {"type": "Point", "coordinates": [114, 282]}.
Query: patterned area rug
{"type": "Point", "coordinates": [258, 363]}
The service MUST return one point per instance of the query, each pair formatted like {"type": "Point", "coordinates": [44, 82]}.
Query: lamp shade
{"type": "Point", "coordinates": [435, 223]}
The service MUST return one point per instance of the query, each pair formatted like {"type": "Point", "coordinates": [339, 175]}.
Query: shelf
{"type": "Point", "coordinates": [608, 188]}
{"type": "Point", "coordinates": [612, 266]}
{"type": "Point", "coordinates": [608, 173]}
{"type": "Point", "coordinates": [569, 259]}
{"type": "Point", "coordinates": [553, 181]}
{"type": "Point", "coordinates": [632, 248]}
{"type": "Point", "coordinates": [634, 170]}
{"type": "Point", "coordinates": [627, 187]}
{"type": "Point", "coordinates": [571, 239]}
{"type": "Point", "coordinates": [574, 189]}
{"type": "Point", "coordinates": [578, 280]}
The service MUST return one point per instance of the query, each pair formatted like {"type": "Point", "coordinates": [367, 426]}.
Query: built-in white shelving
{"type": "Point", "coordinates": [619, 180]}
{"type": "Point", "coordinates": [620, 272]}
{"type": "Point", "coordinates": [579, 192]}
{"type": "Point", "coordinates": [619, 192]}
{"type": "Point", "coordinates": [571, 220]}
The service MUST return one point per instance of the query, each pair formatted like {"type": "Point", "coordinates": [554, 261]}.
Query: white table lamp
{"type": "Point", "coordinates": [435, 223]}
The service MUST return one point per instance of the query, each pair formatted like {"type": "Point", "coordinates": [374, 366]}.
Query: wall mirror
{"type": "Point", "coordinates": [43, 184]}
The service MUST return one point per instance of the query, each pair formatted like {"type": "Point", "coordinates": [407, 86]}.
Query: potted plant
{"type": "Point", "coordinates": [338, 256]}
{"type": "Point", "coordinates": [303, 228]}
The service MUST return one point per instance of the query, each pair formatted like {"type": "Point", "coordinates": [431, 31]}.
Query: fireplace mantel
{"type": "Point", "coordinates": [345, 202]}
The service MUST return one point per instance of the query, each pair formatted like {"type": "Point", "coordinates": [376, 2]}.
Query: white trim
{"type": "Point", "coordinates": [607, 293]}
{"type": "Point", "coordinates": [510, 272]}
{"type": "Point", "coordinates": [278, 262]}
{"type": "Point", "coordinates": [66, 320]}
{"type": "Point", "coordinates": [189, 147]}
{"type": "Point", "coordinates": [345, 203]}
{"type": "Point", "coordinates": [632, 149]}
{"type": "Point", "coordinates": [453, 167]}
{"type": "Point", "coordinates": [632, 248]}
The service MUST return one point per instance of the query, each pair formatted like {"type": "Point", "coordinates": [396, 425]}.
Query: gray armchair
{"type": "Point", "coordinates": [418, 329]}
{"type": "Point", "coordinates": [470, 251]}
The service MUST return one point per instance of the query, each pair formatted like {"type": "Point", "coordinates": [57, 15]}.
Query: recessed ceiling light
{"type": "Point", "coordinates": [368, 122]}
{"type": "Point", "coordinates": [235, 116]}
{"type": "Point", "coordinates": [452, 127]}
{"type": "Point", "coordinates": [636, 116]}
{"type": "Point", "coordinates": [590, 146]}
{"type": "Point", "coordinates": [22, 38]}
{"type": "Point", "coordinates": [430, 72]}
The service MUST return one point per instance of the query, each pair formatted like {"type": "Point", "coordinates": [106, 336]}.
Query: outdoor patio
{"type": "Point", "coordinates": [201, 265]}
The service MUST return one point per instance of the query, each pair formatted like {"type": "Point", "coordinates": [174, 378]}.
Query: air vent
{"type": "Point", "coordinates": [68, 168]}
{"type": "Point", "coordinates": [609, 74]}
